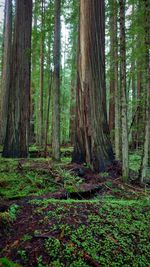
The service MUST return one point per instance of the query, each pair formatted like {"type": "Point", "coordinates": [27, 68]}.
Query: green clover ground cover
{"type": "Point", "coordinates": [76, 233]}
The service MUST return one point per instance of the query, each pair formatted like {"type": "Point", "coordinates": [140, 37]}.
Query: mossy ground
{"type": "Point", "coordinates": [111, 228]}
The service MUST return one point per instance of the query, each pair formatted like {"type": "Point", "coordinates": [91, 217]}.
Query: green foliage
{"type": "Point", "coordinates": [104, 174]}
{"type": "Point", "coordinates": [13, 211]}
{"type": "Point", "coordinates": [10, 215]}
{"type": "Point", "coordinates": [23, 255]}
{"type": "Point", "coordinates": [16, 183]}
{"type": "Point", "coordinates": [52, 247]}
{"type": "Point", "coordinates": [115, 232]}
{"type": "Point", "coordinates": [71, 182]}
{"type": "Point", "coordinates": [111, 232]}
{"type": "Point", "coordinates": [135, 161]}
{"type": "Point", "coordinates": [4, 262]}
{"type": "Point", "coordinates": [26, 237]}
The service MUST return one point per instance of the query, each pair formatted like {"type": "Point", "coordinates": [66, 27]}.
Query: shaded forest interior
{"type": "Point", "coordinates": [74, 133]}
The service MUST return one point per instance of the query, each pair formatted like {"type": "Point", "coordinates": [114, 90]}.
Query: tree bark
{"type": "Point", "coordinates": [56, 84]}
{"type": "Point", "coordinates": [6, 69]}
{"type": "Point", "coordinates": [114, 109]}
{"type": "Point", "coordinates": [17, 133]}
{"type": "Point", "coordinates": [125, 160]}
{"type": "Point", "coordinates": [147, 122]}
{"type": "Point", "coordinates": [41, 141]}
{"type": "Point", "coordinates": [73, 86]}
{"type": "Point", "coordinates": [112, 70]}
{"type": "Point", "coordinates": [92, 139]}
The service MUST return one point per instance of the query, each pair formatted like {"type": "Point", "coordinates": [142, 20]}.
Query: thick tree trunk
{"type": "Point", "coordinates": [17, 133]}
{"type": "Point", "coordinates": [92, 140]}
{"type": "Point", "coordinates": [125, 160]}
{"type": "Point", "coordinates": [6, 69]}
{"type": "Point", "coordinates": [56, 84]}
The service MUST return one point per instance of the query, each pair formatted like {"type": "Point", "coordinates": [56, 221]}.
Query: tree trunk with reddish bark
{"type": "Point", "coordinates": [6, 68]}
{"type": "Point", "coordinates": [17, 132]}
{"type": "Point", "coordinates": [92, 138]}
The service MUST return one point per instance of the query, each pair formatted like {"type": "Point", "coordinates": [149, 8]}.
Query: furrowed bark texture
{"type": "Point", "coordinates": [17, 133]}
{"type": "Point", "coordinates": [6, 69]}
{"type": "Point", "coordinates": [56, 85]}
{"type": "Point", "coordinates": [92, 140]}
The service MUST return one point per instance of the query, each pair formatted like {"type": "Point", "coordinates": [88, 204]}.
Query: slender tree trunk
{"type": "Point", "coordinates": [17, 132]}
{"type": "Point", "coordinates": [56, 84]}
{"type": "Point", "coordinates": [42, 75]}
{"type": "Point", "coordinates": [114, 110]}
{"type": "Point", "coordinates": [72, 109]}
{"type": "Point", "coordinates": [73, 87]}
{"type": "Point", "coordinates": [6, 69]}
{"type": "Point", "coordinates": [125, 160]}
{"type": "Point", "coordinates": [112, 70]}
{"type": "Point", "coordinates": [147, 122]}
{"type": "Point", "coordinates": [92, 140]}
{"type": "Point", "coordinates": [33, 130]}
{"type": "Point", "coordinates": [48, 111]}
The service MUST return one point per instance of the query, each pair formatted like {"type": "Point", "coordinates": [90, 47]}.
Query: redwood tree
{"type": "Point", "coordinates": [6, 68]}
{"type": "Point", "coordinates": [17, 132]}
{"type": "Point", "coordinates": [92, 140]}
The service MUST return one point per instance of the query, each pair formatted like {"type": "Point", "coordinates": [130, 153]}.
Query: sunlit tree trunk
{"type": "Point", "coordinates": [125, 160]}
{"type": "Point", "coordinates": [17, 132]}
{"type": "Point", "coordinates": [6, 68]}
{"type": "Point", "coordinates": [92, 139]}
{"type": "Point", "coordinates": [56, 84]}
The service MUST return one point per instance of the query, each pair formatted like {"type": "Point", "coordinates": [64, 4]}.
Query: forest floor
{"type": "Point", "coordinates": [62, 214]}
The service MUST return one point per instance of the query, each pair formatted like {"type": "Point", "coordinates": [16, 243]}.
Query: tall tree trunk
{"type": "Point", "coordinates": [114, 109]}
{"type": "Point", "coordinates": [33, 131]}
{"type": "Point", "coordinates": [112, 70]}
{"type": "Point", "coordinates": [73, 87]}
{"type": "Point", "coordinates": [48, 110]}
{"type": "Point", "coordinates": [125, 160]}
{"type": "Point", "coordinates": [92, 140]}
{"type": "Point", "coordinates": [56, 84]}
{"type": "Point", "coordinates": [17, 132]}
{"type": "Point", "coordinates": [41, 141]}
{"type": "Point", "coordinates": [6, 68]}
{"type": "Point", "coordinates": [147, 122]}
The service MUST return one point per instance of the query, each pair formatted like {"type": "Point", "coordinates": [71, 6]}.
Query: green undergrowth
{"type": "Point", "coordinates": [73, 233]}
{"type": "Point", "coordinates": [109, 232]}
{"type": "Point", "coordinates": [31, 177]}
{"type": "Point", "coordinates": [10, 215]}
{"type": "Point", "coordinates": [4, 262]}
